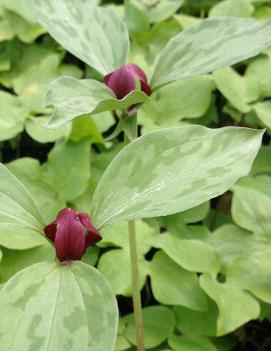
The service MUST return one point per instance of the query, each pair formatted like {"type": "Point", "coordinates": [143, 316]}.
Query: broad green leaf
{"type": "Point", "coordinates": [32, 80]}
{"type": "Point", "coordinates": [19, 213]}
{"type": "Point", "coordinates": [260, 69]}
{"type": "Point", "coordinates": [172, 170]}
{"type": "Point", "coordinates": [193, 96]}
{"type": "Point", "coordinates": [135, 18]}
{"type": "Point", "coordinates": [232, 8]}
{"type": "Point", "coordinates": [22, 8]}
{"type": "Point", "coordinates": [190, 343]}
{"type": "Point", "coordinates": [185, 20]}
{"type": "Point", "coordinates": [16, 260]}
{"type": "Point", "coordinates": [85, 127]}
{"type": "Point", "coordinates": [115, 264]}
{"type": "Point", "coordinates": [236, 307]}
{"type": "Point", "coordinates": [253, 273]}
{"type": "Point", "coordinates": [262, 162]}
{"type": "Point", "coordinates": [46, 195]}
{"type": "Point", "coordinates": [197, 322]}
{"type": "Point", "coordinates": [239, 91]}
{"type": "Point", "coordinates": [68, 168]}
{"type": "Point", "coordinates": [210, 45]}
{"type": "Point", "coordinates": [172, 285]}
{"type": "Point", "coordinates": [195, 214]}
{"type": "Point", "coordinates": [162, 10]}
{"type": "Point", "coordinates": [251, 209]}
{"type": "Point", "coordinates": [16, 237]}
{"type": "Point", "coordinates": [35, 127]}
{"type": "Point", "coordinates": [12, 116]}
{"type": "Point", "coordinates": [95, 35]}
{"type": "Point", "coordinates": [231, 242]}
{"type": "Point", "coordinates": [193, 255]}
{"type": "Point", "coordinates": [263, 111]}
{"type": "Point", "coordinates": [159, 323]}
{"type": "Point", "coordinates": [72, 98]}
{"type": "Point", "coordinates": [122, 343]}
{"type": "Point", "coordinates": [48, 304]}
{"type": "Point", "coordinates": [19, 27]}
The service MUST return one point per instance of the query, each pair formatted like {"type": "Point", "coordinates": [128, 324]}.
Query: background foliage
{"type": "Point", "coordinates": [185, 307]}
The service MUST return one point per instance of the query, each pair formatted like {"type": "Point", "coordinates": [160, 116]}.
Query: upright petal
{"type": "Point", "coordinates": [70, 236]}
{"type": "Point", "coordinates": [92, 234]}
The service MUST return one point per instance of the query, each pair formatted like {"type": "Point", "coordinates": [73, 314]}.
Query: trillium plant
{"type": "Point", "coordinates": [67, 304]}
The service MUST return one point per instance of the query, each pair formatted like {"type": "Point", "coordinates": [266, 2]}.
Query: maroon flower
{"type": "Point", "coordinates": [123, 80]}
{"type": "Point", "coordinates": [72, 233]}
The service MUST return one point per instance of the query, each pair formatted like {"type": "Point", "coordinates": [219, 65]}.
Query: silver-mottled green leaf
{"type": "Point", "coordinates": [19, 213]}
{"type": "Point", "coordinates": [172, 285]}
{"type": "Point", "coordinates": [49, 307]}
{"type": "Point", "coordinates": [210, 45]}
{"type": "Point", "coordinates": [236, 307]}
{"type": "Point", "coordinates": [172, 170]}
{"type": "Point", "coordinates": [72, 98]}
{"type": "Point", "coordinates": [95, 35]}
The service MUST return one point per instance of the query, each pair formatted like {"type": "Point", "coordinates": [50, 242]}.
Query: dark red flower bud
{"type": "Point", "coordinates": [123, 80]}
{"type": "Point", "coordinates": [72, 233]}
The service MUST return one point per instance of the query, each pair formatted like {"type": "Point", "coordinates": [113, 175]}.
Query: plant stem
{"type": "Point", "coordinates": [134, 266]}
{"type": "Point", "coordinates": [136, 287]}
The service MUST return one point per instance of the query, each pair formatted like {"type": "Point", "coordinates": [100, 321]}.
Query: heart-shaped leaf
{"type": "Point", "coordinates": [172, 170]}
{"type": "Point", "coordinates": [95, 35]}
{"type": "Point", "coordinates": [48, 306]}
{"type": "Point", "coordinates": [210, 45]}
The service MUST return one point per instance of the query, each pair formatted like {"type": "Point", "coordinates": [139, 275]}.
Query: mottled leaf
{"type": "Point", "coordinates": [95, 35]}
{"type": "Point", "coordinates": [19, 214]}
{"type": "Point", "coordinates": [49, 306]}
{"type": "Point", "coordinates": [210, 45]}
{"type": "Point", "coordinates": [72, 98]}
{"type": "Point", "coordinates": [172, 170]}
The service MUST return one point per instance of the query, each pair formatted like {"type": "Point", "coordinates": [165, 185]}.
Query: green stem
{"type": "Point", "coordinates": [136, 288]}
{"type": "Point", "coordinates": [134, 267]}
